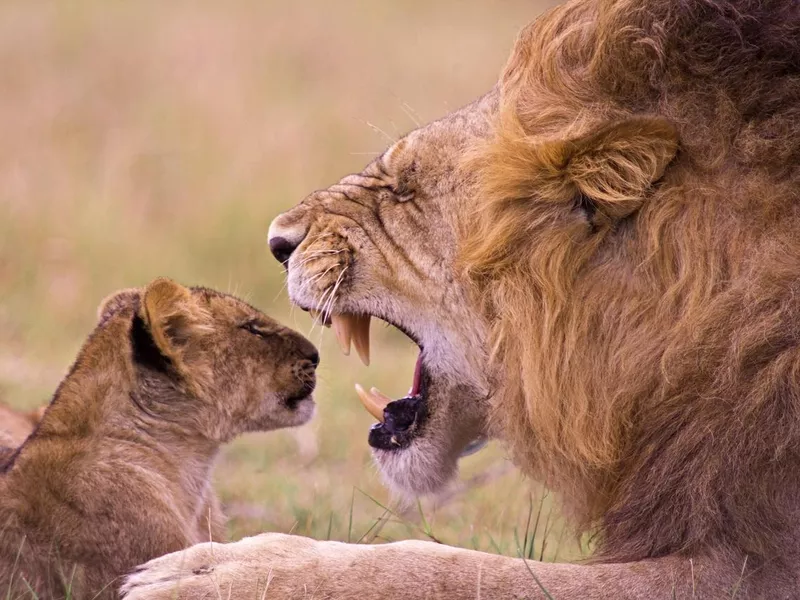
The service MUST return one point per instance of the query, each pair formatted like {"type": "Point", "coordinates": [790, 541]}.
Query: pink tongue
{"type": "Point", "coordinates": [417, 377]}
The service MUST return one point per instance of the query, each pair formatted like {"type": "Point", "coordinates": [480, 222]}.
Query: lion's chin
{"type": "Point", "coordinates": [417, 447]}
{"type": "Point", "coordinates": [421, 469]}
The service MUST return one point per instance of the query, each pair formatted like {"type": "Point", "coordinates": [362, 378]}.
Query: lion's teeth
{"type": "Point", "coordinates": [318, 317]}
{"type": "Point", "coordinates": [352, 329]}
{"type": "Point", "coordinates": [360, 334]}
{"type": "Point", "coordinates": [380, 396]}
{"type": "Point", "coordinates": [372, 402]}
{"type": "Point", "coordinates": [343, 330]}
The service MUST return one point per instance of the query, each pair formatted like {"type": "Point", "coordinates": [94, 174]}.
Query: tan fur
{"type": "Point", "coordinates": [118, 470]}
{"type": "Point", "coordinates": [601, 261]}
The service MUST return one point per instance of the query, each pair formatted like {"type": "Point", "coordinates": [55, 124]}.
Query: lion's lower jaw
{"type": "Point", "coordinates": [421, 469]}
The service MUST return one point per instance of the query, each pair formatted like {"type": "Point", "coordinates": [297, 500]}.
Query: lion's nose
{"type": "Point", "coordinates": [285, 236]}
{"type": "Point", "coordinates": [281, 248]}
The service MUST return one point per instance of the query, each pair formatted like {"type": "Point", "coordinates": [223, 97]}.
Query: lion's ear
{"type": "Point", "coordinates": [116, 302]}
{"type": "Point", "coordinates": [615, 165]}
{"type": "Point", "coordinates": [172, 315]}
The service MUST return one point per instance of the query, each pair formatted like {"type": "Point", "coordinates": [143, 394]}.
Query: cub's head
{"type": "Point", "coordinates": [207, 361]}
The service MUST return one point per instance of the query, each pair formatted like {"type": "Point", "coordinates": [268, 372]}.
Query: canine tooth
{"type": "Point", "coordinates": [379, 395]}
{"type": "Point", "coordinates": [361, 336]}
{"type": "Point", "coordinates": [373, 404]}
{"type": "Point", "coordinates": [342, 327]}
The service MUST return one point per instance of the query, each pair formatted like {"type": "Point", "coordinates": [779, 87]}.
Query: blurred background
{"type": "Point", "coordinates": [147, 138]}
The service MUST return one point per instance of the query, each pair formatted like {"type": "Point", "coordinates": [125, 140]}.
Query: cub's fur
{"type": "Point", "coordinates": [118, 470]}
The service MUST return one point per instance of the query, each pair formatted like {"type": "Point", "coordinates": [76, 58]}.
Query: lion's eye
{"type": "Point", "coordinates": [252, 327]}
{"type": "Point", "coordinates": [402, 192]}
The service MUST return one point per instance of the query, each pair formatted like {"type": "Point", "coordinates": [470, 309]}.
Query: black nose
{"type": "Point", "coordinates": [307, 351]}
{"type": "Point", "coordinates": [281, 248]}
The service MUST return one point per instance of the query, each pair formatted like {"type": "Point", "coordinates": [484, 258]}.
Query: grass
{"type": "Point", "coordinates": [149, 138]}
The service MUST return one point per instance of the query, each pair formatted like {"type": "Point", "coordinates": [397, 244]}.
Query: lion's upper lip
{"type": "Point", "coordinates": [353, 329]}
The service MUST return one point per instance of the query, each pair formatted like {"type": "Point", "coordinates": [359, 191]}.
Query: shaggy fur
{"type": "Point", "coordinates": [606, 247]}
{"type": "Point", "coordinates": [118, 470]}
{"type": "Point", "coordinates": [649, 364]}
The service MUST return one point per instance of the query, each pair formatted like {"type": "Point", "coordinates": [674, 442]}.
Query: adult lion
{"type": "Point", "coordinates": [613, 279]}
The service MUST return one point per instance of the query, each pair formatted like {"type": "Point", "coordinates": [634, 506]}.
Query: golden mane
{"type": "Point", "coordinates": [644, 291]}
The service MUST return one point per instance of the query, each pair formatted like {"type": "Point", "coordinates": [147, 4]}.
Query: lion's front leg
{"type": "Point", "coordinates": [281, 566]}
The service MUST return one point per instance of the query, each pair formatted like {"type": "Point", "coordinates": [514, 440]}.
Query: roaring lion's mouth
{"type": "Point", "coordinates": [399, 421]}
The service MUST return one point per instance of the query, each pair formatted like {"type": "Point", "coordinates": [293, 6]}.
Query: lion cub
{"type": "Point", "coordinates": [118, 470]}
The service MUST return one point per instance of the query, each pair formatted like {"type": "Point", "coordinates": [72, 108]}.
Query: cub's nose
{"type": "Point", "coordinates": [285, 235]}
{"type": "Point", "coordinates": [306, 350]}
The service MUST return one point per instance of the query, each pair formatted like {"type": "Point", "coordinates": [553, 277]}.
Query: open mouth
{"type": "Point", "coordinates": [399, 421]}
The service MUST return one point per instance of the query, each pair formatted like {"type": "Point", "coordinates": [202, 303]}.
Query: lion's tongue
{"type": "Point", "coordinates": [376, 401]}
{"type": "Point", "coordinates": [414, 391]}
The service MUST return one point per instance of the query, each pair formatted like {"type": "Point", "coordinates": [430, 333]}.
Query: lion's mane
{"type": "Point", "coordinates": [650, 354]}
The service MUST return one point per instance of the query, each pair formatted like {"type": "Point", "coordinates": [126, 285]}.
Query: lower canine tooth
{"type": "Point", "coordinates": [372, 402]}
{"type": "Point", "coordinates": [380, 396]}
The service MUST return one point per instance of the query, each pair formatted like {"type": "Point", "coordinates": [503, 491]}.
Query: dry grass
{"type": "Point", "coordinates": [152, 138]}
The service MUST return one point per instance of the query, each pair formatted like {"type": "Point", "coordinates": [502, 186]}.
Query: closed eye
{"type": "Point", "coordinates": [402, 192]}
{"type": "Point", "coordinates": [397, 184]}
{"type": "Point", "coordinates": [254, 328]}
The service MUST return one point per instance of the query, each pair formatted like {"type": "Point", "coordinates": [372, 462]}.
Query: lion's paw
{"type": "Point", "coordinates": [209, 570]}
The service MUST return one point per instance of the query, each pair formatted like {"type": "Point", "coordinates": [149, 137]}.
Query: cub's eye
{"type": "Point", "coordinates": [253, 327]}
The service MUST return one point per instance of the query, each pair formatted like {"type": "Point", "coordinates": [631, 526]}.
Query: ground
{"type": "Point", "coordinates": [149, 138]}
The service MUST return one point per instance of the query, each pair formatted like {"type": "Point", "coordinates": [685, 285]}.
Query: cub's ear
{"type": "Point", "coordinates": [172, 315]}
{"type": "Point", "coordinates": [615, 165]}
{"type": "Point", "coordinates": [116, 302]}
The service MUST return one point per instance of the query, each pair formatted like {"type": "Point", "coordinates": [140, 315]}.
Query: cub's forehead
{"type": "Point", "coordinates": [227, 304]}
